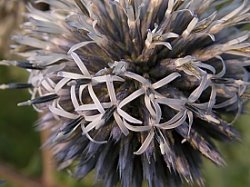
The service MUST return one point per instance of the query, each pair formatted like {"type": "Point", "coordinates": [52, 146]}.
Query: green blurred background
{"type": "Point", "coordinates": [24, 164]}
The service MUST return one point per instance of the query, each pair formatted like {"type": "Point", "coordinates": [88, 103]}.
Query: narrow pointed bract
{"type": "Point", "coordinates": [135, 89]}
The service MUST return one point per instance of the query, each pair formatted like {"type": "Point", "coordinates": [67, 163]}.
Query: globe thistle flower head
{"type": "Point", "coordinates": [136, 89]}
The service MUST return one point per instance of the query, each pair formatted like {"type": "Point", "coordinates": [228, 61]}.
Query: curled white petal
{"type": "Point", "coordinates": [128, 117]}
{"type": "Point", "coordinates": [226, 103]}
{"type": "Point", "coordinates": [80, 64]}
{"type": "Point", "coordinates": [176, 104]}
{"type": "Point", "coordinates": [73, 96]}
{"type": "Point", "coordinates": [62, 113]}
{"type": "Point", "coordinates": [212, 98]}
{"type": "Point", "coordinates": [198, 91]}
{"type": "Point", "coordinates": [223, 71]}
{"type": "Point", "coordinates": [97, 122]}
{"type": "Point", "coordinates": [61, 84]}
{"type": "Point", "coordinates": [79, 45]}
{"type": "Point", "coordinates": [136, 77]}
{"type": "Point", "coordinates": [91, 118]}
{"type": "Point", "coordinates": [136, 128]}
{"type": "Point", "coordinates": [72, 75]}
{"type": "Point", "coordinates": [103, 78]}
{"type": "Point", "coordinates": [84, 132]}
{"type": "Point", "coordinates": [167, 126]}
{"type": "Point", "coordinates": [149, 106]}
{"type": "Point", "coordinates": [131, 97]}
{"type": "Point", "coordinates": [121, 124]}
{"type": "Point", "coordinates": [111, 90]}
{"type": "Point", "coordinates": [190, 27]}
{"type": "Point", "coordinates": [82, 87]}
{"type": "Point", "coordinates": [87, 107]}
{"type": "Point", "coordinates": [190, 121]}
{"type": "Point", "coordinates": [166, 44]}
{"type": "Point", "coordinates": [166, 80]}
{"type": "Point", "coordinates": [146, 143]}
{"type": "Point", "coordinates": [95, 99]}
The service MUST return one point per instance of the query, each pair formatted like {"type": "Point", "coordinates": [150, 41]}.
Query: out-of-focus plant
{"type": "Point", "coordinates": [10, 18]}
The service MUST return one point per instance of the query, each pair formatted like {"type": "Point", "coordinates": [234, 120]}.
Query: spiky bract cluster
{"type": "Point", "coordinates": [136, 88]}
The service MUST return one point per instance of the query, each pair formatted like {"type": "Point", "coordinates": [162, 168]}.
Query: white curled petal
{"type": "Point", "coordinates": [91, 118]}
{"type": "Point", "coordinates": [146, 143]}
{"type": "Point", "coordinates": [62, 113]}
{"type": "Point", "coordinates": [226, 103]}
{"type": "Point", "coordinates": [82, 87]}
{"type": "Point", "coordinates": [166, 44]}
{"type": "Point", "coordinates": [95, 141]}
{"type": "Point", "coordinates": [121, 124]}
{"type": "Point", "coordinates": [95, 99]}
{"type": "Point", "coordinates": [190, 121]}
{"type": "Point", "coordinates": [73, 96]}
{"type": "Point", "coordinates": [212, 98]}
{"type": "Point", "coordinates": [176, 117]}
{"type": "Point", "coordinates": [206, 66]}
{"type": "Point", "coordinates": [137, 128]}
{"type": "Point", "coordinates": [87, 107]}
{"type": "Point", "coordinates": [111, 90]}
{"type": "Point", "coordinates": [166, 80]}
{"type": "Point", "coordinates": [103, 79]}
{"type": "Point", "coordinates": [198, 91]}
{"type": "Point", "coordinates": [136, 77]}
{"type": "Point", "coordinates": [223, 71]}
{"type": "Point", "coordinates": [80, 64]}
{"type": "Point", "coordinates": [190, 27]}
{"type": "Point", "coordinates": [167, 126]}
{"type": "Point", "coordinates": [157, 111]}
{"type": "Point", "coordinates": [149, 106]}
{"type": "Point", "coordinates": [128, 117]}
{"type": "Point", "coordinates": [97, 122]}
{"type": "Point", "coordinates": [61, 84]}
{"type": "Point", "coordinates": [70, 75]}
{"type": "Point", "coordinates": [79, 45]}
{"type": "Point", "coordinates": [84, 132]}
{"type": "Point", "coordinates": [176, 104]}
{"type": "Point", "coordinates": [131, 97]}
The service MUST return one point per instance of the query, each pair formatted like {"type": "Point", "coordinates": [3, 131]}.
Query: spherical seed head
{"type": "Point", "coordinates": [135, 89]}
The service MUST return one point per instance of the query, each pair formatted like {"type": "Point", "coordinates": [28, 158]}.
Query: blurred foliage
{"type": "Point", "coordinates": [15, 125]}
{"type": "Point", "coordinates": [237, 171]}
{"type": "Point", "coordinates": [10, 17]}
{"type": "Point", "coordinates": [20, 143]}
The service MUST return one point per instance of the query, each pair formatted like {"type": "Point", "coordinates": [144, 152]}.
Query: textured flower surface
{"type": "Point", "coordinates": [136, 89]}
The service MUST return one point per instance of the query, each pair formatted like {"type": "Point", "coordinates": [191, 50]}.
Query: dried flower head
{"type": "Point", "coordinates": [136, 89]}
